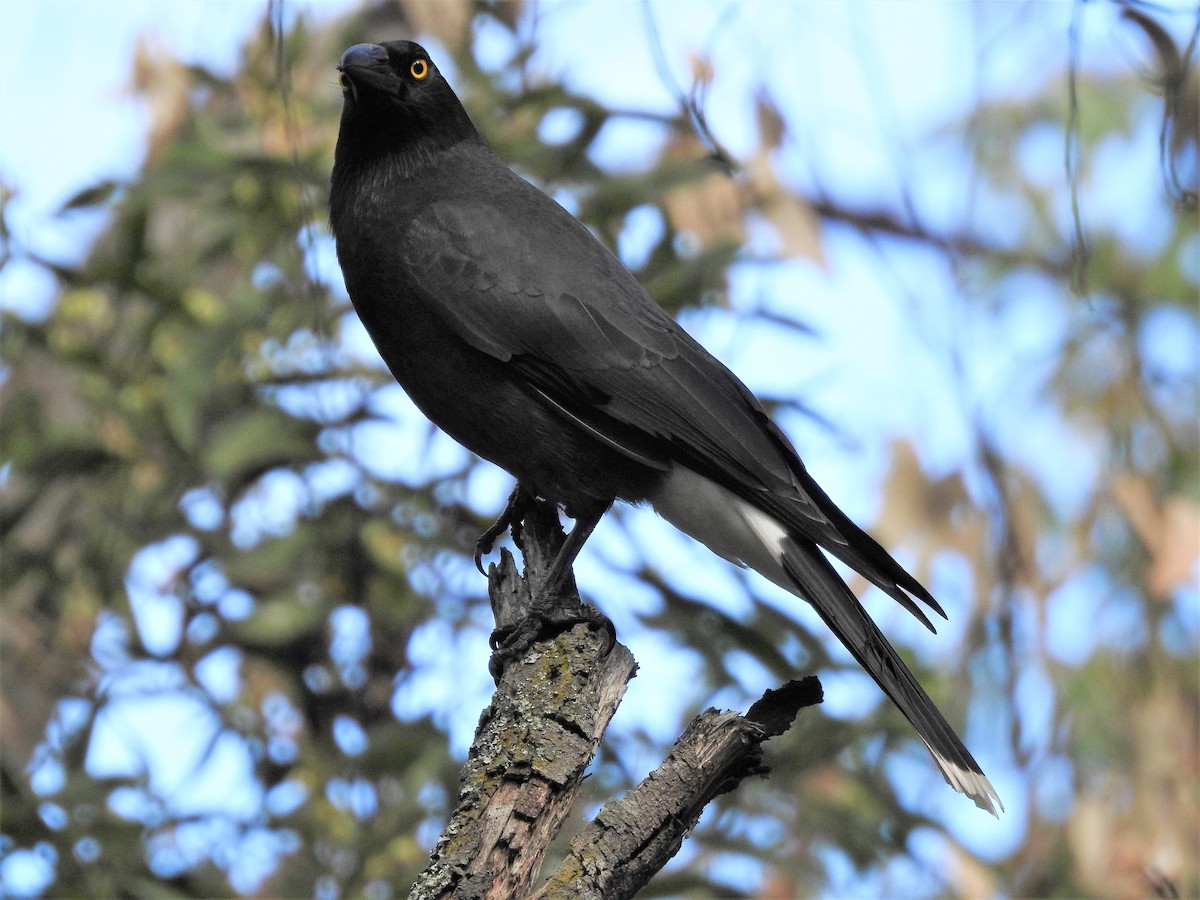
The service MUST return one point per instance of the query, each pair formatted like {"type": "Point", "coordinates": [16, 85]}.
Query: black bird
{"type": "Point", "coordinates": [520, 335]}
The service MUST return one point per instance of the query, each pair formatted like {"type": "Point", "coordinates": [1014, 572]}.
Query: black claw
{"type": "Point", "coordinates": [498, 637]}
{"type": "Point", "coordinates": [483, 547]}
{"type": "Point", "coordinates": [511, 643]}
{"type": "Point", "coordinates": [510, 518]}
{"type": "Point", "coordinates": [610, 633]}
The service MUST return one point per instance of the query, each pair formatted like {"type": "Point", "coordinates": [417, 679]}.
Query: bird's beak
{"type": "Point", "coordinates": [363, 63]}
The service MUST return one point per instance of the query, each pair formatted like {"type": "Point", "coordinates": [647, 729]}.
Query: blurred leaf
{"type": "Point", "coordinates": [448, 19]}
{"type": "Point", "coordinates": [253, 441]}
{"type": "Point", "coordinates": [794, 221]}
{"type": "Point", "coordinates": [281, 621]}
{"type": "Point", "coordinates": [95, 195]}
{"type": "Point", "coordinates": [772, 127]}
{"type": "Point", "coordinates": [1169, 529]}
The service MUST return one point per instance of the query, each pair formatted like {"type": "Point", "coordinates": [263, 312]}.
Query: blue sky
{"type": "Point", "coordinates": [857, 81]}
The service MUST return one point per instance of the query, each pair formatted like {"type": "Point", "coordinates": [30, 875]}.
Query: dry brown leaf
{"type": "Point", "coordinates": [702, 69]}
{"type": "Point", "coordinates": [448, 19]}
{"type": "Point", "coordinates": [931, 516]}
{"type": "Point", "coordinates": [709, 209]}
{"type": "Point", "coordinates": [771, 124]}
{"type": "Point", "coordinates": [163, 82]}
{"type": "Point", "coordinates": [799, 228]}
{"type": "Point", "coordinates": [712, 208]}
{"type": "Point", "coordinates": [967, 875]}
{"type": "Point", "coordinates": [1169, 529]}
{"type": "Point", "coordinates": [779, 887]}
{"type": "Point", "coordinates": [1175, 557]}
{"type": "Point", "coordinates": [1136, 500]}
{"type": "Point", "coordinates": [795, 222]}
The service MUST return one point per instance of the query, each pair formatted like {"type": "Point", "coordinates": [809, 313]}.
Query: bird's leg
{"type": "Point", "coordinates": [584, 526]}
{"type": "Point", "coordinates": [513, 514]}
{"type": "Point", "coordinates": [555, 606]}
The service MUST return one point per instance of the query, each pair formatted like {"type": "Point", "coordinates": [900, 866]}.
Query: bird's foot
{"type": "Point", "coordinates": [543, 623]}
{"type": "Point", "coordinates": [511, 517]}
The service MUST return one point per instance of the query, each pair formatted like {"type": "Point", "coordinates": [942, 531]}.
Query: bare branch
{"type": "Point", "coordinates": [632, 838]}
{"type": "Point", "coordinates": [884, 222]}
{"type": "Point", "coordinates": [533, 742]}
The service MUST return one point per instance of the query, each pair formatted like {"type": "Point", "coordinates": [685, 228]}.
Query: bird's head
{"type": "Point", "coordinates": [394, 97]}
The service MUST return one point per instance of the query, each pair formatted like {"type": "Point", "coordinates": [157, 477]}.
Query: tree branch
{"type": "Point", "coordinates": [535, 739]}
{"type": "Point", "coordinates": [885, 222]}
{"type": "Point", "coordinates": [633, 838]}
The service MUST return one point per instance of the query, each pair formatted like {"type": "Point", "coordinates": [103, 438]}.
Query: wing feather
{"type": "Point", "coordinates": [573, 321]}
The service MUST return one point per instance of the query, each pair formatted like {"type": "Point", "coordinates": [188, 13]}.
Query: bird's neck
{"type": "Point", "coordinates": [369, 169]}
{"type": "Point", "coordinates": [396, 148]}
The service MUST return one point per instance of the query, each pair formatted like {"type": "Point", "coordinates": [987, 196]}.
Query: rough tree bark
{"type": "Point", "coordinates": [540, 732]}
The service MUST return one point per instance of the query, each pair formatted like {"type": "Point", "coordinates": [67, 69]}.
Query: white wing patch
{"type": "Point", "coordinates": [770, 532]}
{"type": "Point", "coordinates": [723, 522]}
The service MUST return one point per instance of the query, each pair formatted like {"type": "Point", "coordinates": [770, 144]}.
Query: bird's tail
{"type": "Point", "coordinates": [818, 582]}
{"type": "Point", "coordinates": [742, 533]}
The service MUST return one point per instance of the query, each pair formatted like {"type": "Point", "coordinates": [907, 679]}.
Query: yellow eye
{"type": "Point", "coordinates": [419, 69]}
{"type": "Point", "coordinates": [345, 82]}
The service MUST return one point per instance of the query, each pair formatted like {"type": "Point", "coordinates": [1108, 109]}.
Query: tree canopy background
{"type": "Point", "coordinates": [243, 643]}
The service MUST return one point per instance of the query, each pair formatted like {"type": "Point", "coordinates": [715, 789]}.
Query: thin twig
{"type": "Point", "coordinates": [1079, 248]}
{"type": "Point", "coordinates": [691, 102]}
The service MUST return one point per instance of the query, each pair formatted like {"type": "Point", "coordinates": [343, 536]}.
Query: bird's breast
{"type": "Point", "coordinates": [487, 406]}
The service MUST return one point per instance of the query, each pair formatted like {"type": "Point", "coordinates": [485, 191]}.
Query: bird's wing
{"type": "Point", "coordinates": [549, 298]}
{"type": "Point", "coordinates": [533, 288]}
